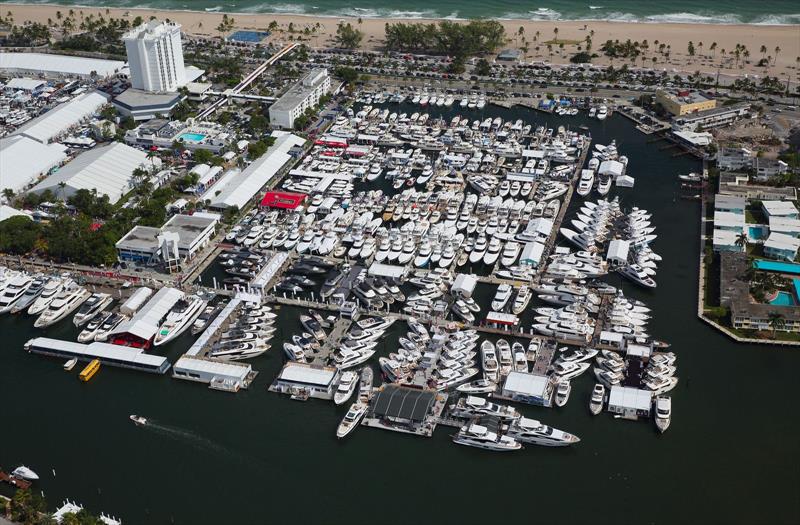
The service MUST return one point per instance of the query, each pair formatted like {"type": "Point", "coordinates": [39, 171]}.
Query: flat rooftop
{"type": "Point", "coordinates": [188, 227]}
{"type": "Point", "coordinates": [300, 90]}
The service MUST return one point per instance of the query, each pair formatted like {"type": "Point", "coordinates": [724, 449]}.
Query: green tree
{"type": "Point", "coordinates": [18, 235]}
{"type": "Point", "coordinates": [482, 67]}
{"type": "Point", "coordinates": [776, 321]}
{"type": "Point", "coordinates": [347, 36]}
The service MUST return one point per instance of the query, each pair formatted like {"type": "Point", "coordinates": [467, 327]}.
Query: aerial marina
{"type": "Point", "coordinates": [398, 218]}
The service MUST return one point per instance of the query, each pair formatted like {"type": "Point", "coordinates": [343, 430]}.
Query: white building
{"type": "Point", "coordinates": [781, 246]}
{"type": "Point", "coordinates": [630, 403]}
{"type": "Point", "coordinates": [49, 65]}
{"type": "Point", "coordinates": [219, 375]}
{"type": "Point", "coordinates": [59, 120]}
{"type": "Point", "coordinates": [534, 389]}
{"type": "Point", "coordinates": [155, 56]}
{"type": "Point", "coordinates": [300, 378]}
{"type": "Point", "coordinates": [239, 189]}
{"type": "Point", "coordinates": [108, 169]}
{"type": "Point", "coordinates": [23, 160]}
{"type": "Point", "coordinates": [303, 95]}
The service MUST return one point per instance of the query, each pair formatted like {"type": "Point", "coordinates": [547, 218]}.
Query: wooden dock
{"type": "Point", "coordinates": [14, 481]}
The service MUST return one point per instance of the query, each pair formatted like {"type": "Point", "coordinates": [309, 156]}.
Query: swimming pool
{"type": "Point", "coordinates": [191, 137]}
{"type": "Point", "coordinates": [784, 299]}
{"type": "Point", "coordinates": [756, 233]}
{"type": "Point", "coordinates": [776, 266]}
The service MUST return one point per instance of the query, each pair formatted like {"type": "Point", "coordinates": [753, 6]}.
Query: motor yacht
{"type": "Point", "coordinates": [14, 290]}
{"type": "Point", "coordinates": [347, 385]}
{"type": "Point", "coordinates": [521, 300]}
{"type": "Point", "coordinates": [479, 436]}
{"type": "Point", "coordinates": [531, 431]}
{"type": "Point", "coordinates": [181, 317]}
{"type": "Point", "coordinates": [23, 472]}
{"type": "Point", "coordinates": [479, 386]}
{"type": "Point", "coordinates": [31, 294]}
{"type": "Point", "coordinates": [501, 297]}
{"type": "Point", "coordinates": [51, 290]}
{"type": "Point", "coordinates": [351, 419]}
{"type": "Point", "coordinates": [637, 274]}
{"type": "Point", "coordinates": [562, 392]}
{"type": "Point", "coordinates": [663, 415]}
{"type": "Point", "coordinates": [94, 305]}
{"type": "Point", "coordinates": [660, 385]}
{"type": "Point", "coordinates": [585, 183]}
{"type": "Point", "coordinates": [348, 358]}
{"type": "Point", "coordinates": [93, 326]}
{"type": "Point", "coordinates": [607, 377]}
{"type": "Point", "coordinates": [473, 406]}
{"type": "Point", "coordinates": [567, 370]}
{"type": "Point", "coordinates": [60, 307]}
{"type": "Point", "coordinates": [597, 399]}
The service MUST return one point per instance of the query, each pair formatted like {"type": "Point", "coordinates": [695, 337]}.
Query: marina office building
{"type": "Point", "coordinates": [301, 96]}
{"type": "Point", "coordinates": [179, 239]}
{"type": "Point", "coordinates": [683, 102]}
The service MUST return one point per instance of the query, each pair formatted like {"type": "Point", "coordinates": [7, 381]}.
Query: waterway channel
{"type": "Point", "coordinates": [732, 454]}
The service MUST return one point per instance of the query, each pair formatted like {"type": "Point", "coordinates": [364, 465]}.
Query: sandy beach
{"type": "Point", "coordinates": [677, 36]}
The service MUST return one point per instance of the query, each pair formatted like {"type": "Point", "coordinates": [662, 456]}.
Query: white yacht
{"type": "Point", "coordinates": [181, 317]}
{"type": "Point", "coordinates": [521, 300]}
{"type": "Point", "coordinates": [351, 419]}
{"type": "Point", "coordinates": [567, 370]}
{"type": "Point", "coordinates": [347, 385]}
{"type": "Point", "coordinates": [602, 112]}
{"type": "Point", "coordinates": [472, 406]}
{"type": "Point", "coordinates": [491, 366]}
{"type": "Point", "coordinates": [64, 304]}
{"type": "Point", "coordinates": [492, 251]}
{"type": "Point", "coordinates": [95, 304]}
{"type": "Point", "coordinates": [479, 386]}
{"type": "Point", "coordinates": [52, 288]}
{"type": "Point", "coordinates": [347, 358]}
{"type": "Point", "coordinates": [501, 297]}
{"type": "Point", "coordinates": [25, 473]}
{"type": "Point", "coordinates": [663, 413]}
{"type": "Point", "coordinates": [14, 291]}
{"type": "Point", "coordinates": [532, 431]}
{"type": "Point", "coordinates": [29, 297]}
{"type": "Point", "coordinates": [637, 274]}
{"type": "Point", "coordinates": [479, 436]}
{"type": "Point", "coordinates": [597, 399]}
{"type": "Point", "coordinates": [562, 392]}
{"type": "Point", "coordinates": [93, 326]}
{"type": "Point", "coordinates": [108, 326]}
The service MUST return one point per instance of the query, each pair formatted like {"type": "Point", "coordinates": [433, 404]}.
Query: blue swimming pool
{"type": "Point", "coordinates": [756, 233]}
{"type": "Point", "coordinates": [784, 299]}
{"type": "Point", "coordinates": [776, 266]}
{"type": "Point", "coordinates": [192, 137]}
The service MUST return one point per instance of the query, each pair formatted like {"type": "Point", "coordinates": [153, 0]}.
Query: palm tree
{"type": "Point", "coordinates": [61, 186]}
{"type": "Point", "coordinates": [763, 50]}
{"type": "Point", "coordinates": [776, 322]}
{"type": "Point", "coordinates": [555, 33]}
{"type": "Point", "coordinates": [151, 155]}
{"type": "Point", "coordinates": [713, 48]}
{"type": "Point", "coordinates": [777, 50]}
{"type": "Point", "coordinates": [741, 240]}
{"type": "Point", "coordinates": [8, 193]}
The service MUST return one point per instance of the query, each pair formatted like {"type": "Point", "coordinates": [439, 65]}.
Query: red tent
{"type": "Point", "coordinates": [283, 200]}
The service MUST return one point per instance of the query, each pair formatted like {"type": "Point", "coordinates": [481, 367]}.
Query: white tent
{"type": "Point", "coordinates": [23, 159]}
{"type": "Point", "coordinates": [58, 120]}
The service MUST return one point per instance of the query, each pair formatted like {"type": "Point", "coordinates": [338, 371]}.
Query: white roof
{"type": "Point", "coordinates": [725, 238]}
{"type": "Point", "coordinates": [780, 241]}
{"type": "Point", "coordinates": [626, 397]}
{"type": "Point", "coordinates": [26, 84]}
{"type": "Point", "coordinates": [618, 250]}
{"type": "Point", "coordinates": [637, 350]}
{"type": "Point", "coordinates": [23, 159]}
{"type": "Point", "coordinates": [606, 335]}
{"type": "Point", "coordinates": [7, 212]}
{"type": "Point", "coordinates": [108, 169]}
{"type": "Point", "coordinates": [146, 321]}
{"type": "Point", "coordinates": [117, 353]}
{"type": "Point", "coordinates": [386, 270]}
{"type": "Point", "coordinates": [59, 119]}
{"type": "Point", "coordinates": [780, 208]}
{"type": "Point", "coordinates": [625, 181]}
{"type": "Point", "coordinates": [38, 63]}
{"type": "Point", "coordinates": [136, 300]}
{"type": "Point", "coordinates": [308, 374]}
{"type": "Point", "coordinates": [726, 218]}
{"type": "Point", "coordinates": [526, 384]}
{"type": "Point", "coordinates": [465, 284]}
{"type": "Point", "coordinates": [532, 251]}
{"type": "Point", "coordinates": [212, 367]}
{"type": "Point", "coordinates": [784, 225]}
{"type": "Point", "coordinates": [246, 185]}
{"type": "Point", "coordinates": [703, 138]}
{"type": "Point", "coordinates": [611, 167]}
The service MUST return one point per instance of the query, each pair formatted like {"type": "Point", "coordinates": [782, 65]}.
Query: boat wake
{"type": "Point", "coordinates": [198, 442]}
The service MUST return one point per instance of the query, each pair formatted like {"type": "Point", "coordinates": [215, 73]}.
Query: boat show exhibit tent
{"type": "Point", "coordinates": [108, 354]}
{"type": "Point", "coordinates": [529, 388]}
{"type": "Point", "coordinates": [108, 169]}
{"type": "Point", "coordinates": [630, 403]}
{"type": "Point", "coordinates": [244, 186]}
{"type": "Point", "coordinates": [230, 375]}
{"type": "Point", "coordinates": [402, 405]}
{"type": "Point", "coordinates": [618, 251]}
{"type": "Point", "coordinates": [318, 381]}
{"type": "Point", "coordinates": [47, 127]}
{"type": "Point", "coordinates": [143, 326]}
{"type": "Point", "coordinates": [56, 66]}
{"type": "Point", "coordinates": [23, 160]}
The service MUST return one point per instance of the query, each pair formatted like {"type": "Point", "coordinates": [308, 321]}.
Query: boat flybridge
{"type": "Point", "coordinates": [479, 436]}
{"type": "Point", "coordinates": [181, 317]}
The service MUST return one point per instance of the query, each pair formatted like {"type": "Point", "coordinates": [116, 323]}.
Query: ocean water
{"type": "Point", "coordinates": [773, 12]}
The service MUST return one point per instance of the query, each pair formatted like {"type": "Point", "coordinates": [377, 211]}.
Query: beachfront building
{"type": "Point", "coordinates": [301, 96]}
{"type": "Point", "coordinates": [738, 184]}
{"type": "Point", "coordinates": [730, 204]}
{"type": "Point", "coordinates": [781, 246]}
{"type": "Point", "coordinates": [179, 239]}
{"type": "Point", "coordinates": [733, 159]}
{"type": "Point", "coordinates": [684, 101]}
{"type": "Point", "coordinates": [155, 56]}
{"type": "Point", "coordinates": [193, 135]}
{"type": "Point", "coordinates": [107, 169]}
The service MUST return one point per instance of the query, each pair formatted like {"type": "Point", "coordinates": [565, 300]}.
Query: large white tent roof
{"type": "Point", "coordinates": [244, 186]}
{"type": "Point", "coordinates": [22, 159]}
{"type": "Point", "coordinates": [45, 63]}
{"type": "Point", "coordinates": [59, 119]}
{"type": "Point", "coordinates": [108, 169]}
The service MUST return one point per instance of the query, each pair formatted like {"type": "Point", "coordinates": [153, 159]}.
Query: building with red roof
{"type": "Point", "coordinates": [283, 200]}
